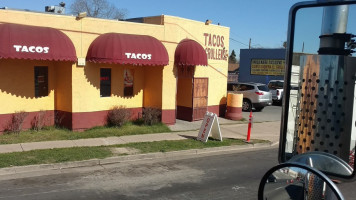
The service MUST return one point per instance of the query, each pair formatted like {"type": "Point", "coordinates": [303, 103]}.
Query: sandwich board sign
{"type": "Point", "coordinates": [209, 126]}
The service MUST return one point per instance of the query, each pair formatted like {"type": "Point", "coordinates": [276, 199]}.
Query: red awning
{"type": "Point", "coordinates": [117, 48]}
{"type": "Point", "coordinates": [35, 43]}
{"type": "Point", "coordinates": [190, 52]}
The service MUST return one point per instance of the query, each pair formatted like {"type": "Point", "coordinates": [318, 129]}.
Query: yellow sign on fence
{"type": "Point", "coordinates": [267, 67]}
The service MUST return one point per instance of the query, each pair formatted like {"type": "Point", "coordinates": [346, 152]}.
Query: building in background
{"type": "Point", "coordinates": [75, 69]}
{"type": "Point", "coordinates": [233, 72]}
{"type": "Point", "coordinates": [261, 65]}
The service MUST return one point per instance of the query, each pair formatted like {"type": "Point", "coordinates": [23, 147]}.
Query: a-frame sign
{"type": "Point", "coordinates": [209, 126]}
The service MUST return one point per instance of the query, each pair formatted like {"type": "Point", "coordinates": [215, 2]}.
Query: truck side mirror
{"type": "Point", "coordinates": [296, 181]}
{"type": "Point", "coordinates": [319, 104]}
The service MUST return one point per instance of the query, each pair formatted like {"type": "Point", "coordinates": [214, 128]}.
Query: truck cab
{"type": "Point", "coordinates": [276, 88]}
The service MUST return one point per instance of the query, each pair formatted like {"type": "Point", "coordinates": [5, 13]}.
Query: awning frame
{"type": "Point", "coordinates": [190, 53]}
{"type": "Point", "coordinates": [127, 49]}
{"type": "Point", "coordinates": [18, 41]}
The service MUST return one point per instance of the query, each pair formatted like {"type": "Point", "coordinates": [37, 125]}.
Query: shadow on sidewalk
{"type": "Point", "coordinates": [188, 136]}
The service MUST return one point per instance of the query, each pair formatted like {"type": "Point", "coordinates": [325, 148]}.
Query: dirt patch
{"type": "Point", "coordinates": [124, 151]}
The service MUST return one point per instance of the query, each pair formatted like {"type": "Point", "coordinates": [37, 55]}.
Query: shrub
{"type": "Point", "coordinates": [58, 118]}
{"type": "Point", "coordinates": [118, 116]}
{"type": "Point", "coordinates": [151, 116]}
{"type": "Point", "coordinates": [39, 121]}
{"type": "Point", "coordinates": [16, 122]}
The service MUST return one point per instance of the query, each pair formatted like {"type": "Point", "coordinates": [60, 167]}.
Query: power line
{"type": "Point", "coordinates": [254, 45]}
{"type": "Point", "coordinates": [238, 42]}
{"type": "Point", "coordinates": [237, 35]}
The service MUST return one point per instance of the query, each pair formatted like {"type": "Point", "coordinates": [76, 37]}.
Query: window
{"type": "Point", "coordinates": [275, 85]}
{"type": "Point", "coordinates": [233, 87]}
{"type": "Point", "coordinates": [244, 87]}
{"type": "Point", "coordinates": [263, 88]}
{"type": "Point", "coordinates": [236, 87]}
{"type": "Point", "coordinates": [105, 82]}
{"type": "Point", "coordinates": [41, 81]}
{"type": "Point", "coordinates": [128, 82]}
{"type": "Point", "coordinates": [250, 87]}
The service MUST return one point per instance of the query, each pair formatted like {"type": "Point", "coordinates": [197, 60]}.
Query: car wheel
{"type": "Point", "coordinates": [259, 109]}
{"type": "Point", "coordinates": [246, 105]}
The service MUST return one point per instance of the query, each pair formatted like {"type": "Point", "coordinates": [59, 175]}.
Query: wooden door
{"type": "Point", "coordinates": [200, 98]}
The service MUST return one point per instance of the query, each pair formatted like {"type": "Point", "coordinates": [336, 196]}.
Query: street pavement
{"type": "Point", "coordinates": [235, 175]}
{"type": "Point", "coordinates": [181, 130]}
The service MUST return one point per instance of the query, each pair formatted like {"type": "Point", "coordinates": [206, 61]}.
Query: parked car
{"type": "Point", "coordinates": [271, 179]}
{"type": "Point", "coordinates": [255, 95]}
{"type": "Point", "coordinates": [276, 88]}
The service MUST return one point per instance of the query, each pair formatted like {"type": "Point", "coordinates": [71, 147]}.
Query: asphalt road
{"type": "Point", "coordinates": [281, 190]}
{"type": "Point", "coordinates": [269, 113]}
{"type": "Point", "coordinates": [224, 176]}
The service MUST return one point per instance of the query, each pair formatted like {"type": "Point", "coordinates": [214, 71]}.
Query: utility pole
{"type": "Point", "coordinates": [249, 44]}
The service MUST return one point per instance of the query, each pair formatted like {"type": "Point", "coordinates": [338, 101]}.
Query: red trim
{"type": "Point", "coordinates": [222, 110]}
{"type": "Point", "coordinates": [86, 120]}
{"type": "Point", "coordinates": [5, 119]}
{"type": "Point", "coordinates": [234, 113]}
{"type": "Point", "coordinates": [73, 121]}
{"type": "Point", "coordinates": [218, 109]}
{"type": "Point", "coordinates": [169, 117]}
{"type": "Point", "coordinates": [63, 119]}
{"type": "Point", "coordinates": [214, 109]}
{"type": "Point", "coordinates": [118, 48]}
{"type": "Point", "coordinates": [185, 113]}
{"type": "Point", "coordinates": [35, 43]}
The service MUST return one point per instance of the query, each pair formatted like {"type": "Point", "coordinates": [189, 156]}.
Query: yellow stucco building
{"type": "Point", "coordinates": [76, 69]}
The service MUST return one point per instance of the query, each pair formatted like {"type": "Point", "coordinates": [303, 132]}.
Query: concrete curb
{"type": "Point", "coordinates": [47, 169]}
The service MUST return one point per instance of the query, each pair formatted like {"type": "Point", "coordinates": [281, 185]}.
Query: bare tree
{"type": "Point", "coordinates": [284, 44]}
{"type": "Point", "coordinates": [98, 9]}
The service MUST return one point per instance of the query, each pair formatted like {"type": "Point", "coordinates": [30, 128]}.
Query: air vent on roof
{"type": "Point", "coordinates": [60, 9]}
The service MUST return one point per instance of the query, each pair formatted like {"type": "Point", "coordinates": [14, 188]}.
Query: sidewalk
{"type": "Point", "coordinates": [183, 130]}
{"type": "Point", "coordinates": [229, 129]}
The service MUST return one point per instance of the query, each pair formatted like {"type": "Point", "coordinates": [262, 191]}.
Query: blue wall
{"type": "Point", "coordinates": [246, 55]}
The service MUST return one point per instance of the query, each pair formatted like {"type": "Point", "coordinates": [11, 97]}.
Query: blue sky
{"type": "Point", "coordinates": [265, 22]}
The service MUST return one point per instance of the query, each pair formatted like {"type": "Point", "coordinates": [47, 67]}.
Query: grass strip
{"type": "Point", "coordinates": [49, 156]}
{"type": "Point", "coordinates": [52, 133]}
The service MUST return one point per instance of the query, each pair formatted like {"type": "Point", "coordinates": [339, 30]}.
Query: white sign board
{"type": "Point", "coordinates": [81, 61]}
{"type": "Point", "coordinates": [210, 125]}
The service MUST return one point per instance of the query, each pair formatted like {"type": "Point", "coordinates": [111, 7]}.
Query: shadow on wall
{"type": "Point", "coordinates": [152, 83]}
{"type": "Point", "coordinates": [175, 71]}
{"type": "Point", "coordinates": [222, 107]}
{"type": "Point", "coordinates": [17, 78]}
{"type": "Point", "coordinates": [92, 75]}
